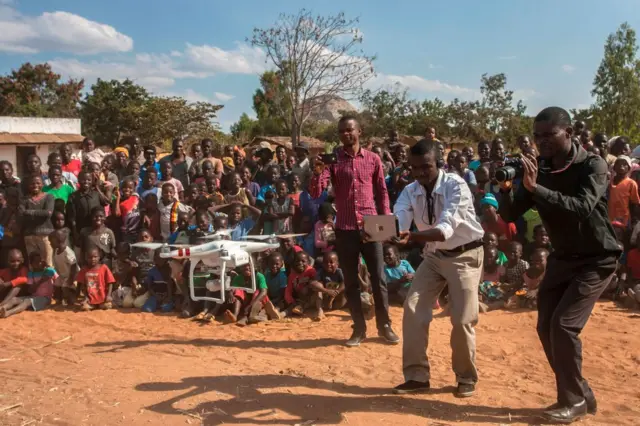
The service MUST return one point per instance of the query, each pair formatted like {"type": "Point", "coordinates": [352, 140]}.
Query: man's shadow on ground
{"type": "Point", "coordinates": [245, 396]}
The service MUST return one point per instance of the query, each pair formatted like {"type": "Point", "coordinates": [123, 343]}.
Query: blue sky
{"type": "Point", "coordinates": [196, 48]}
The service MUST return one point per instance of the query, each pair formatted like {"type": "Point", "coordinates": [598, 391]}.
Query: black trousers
{"type": "Point", "coordinates": [349, 246]}
{"type": "Point", "coordinates": [566, 298]}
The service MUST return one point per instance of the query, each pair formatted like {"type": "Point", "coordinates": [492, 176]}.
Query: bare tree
{"type": "Point", "coordinates": [318, 58]}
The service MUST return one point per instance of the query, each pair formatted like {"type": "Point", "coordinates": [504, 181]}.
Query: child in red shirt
{"type": "Point", "coordinates": [13, 277]}
{"type": "Point", "coordinates": [492, 222]}
{"type": "Point", "coordinates": [298, 291]}
{"type": "Point", "coordinates": [623, 192]}
{"type": "Point", "coordinates": [98, 282]}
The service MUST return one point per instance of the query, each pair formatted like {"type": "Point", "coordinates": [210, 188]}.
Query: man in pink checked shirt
{"type": "Point", "coordinates": [358, 184]}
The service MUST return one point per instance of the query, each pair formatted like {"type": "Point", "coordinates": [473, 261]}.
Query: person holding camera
{"type": "Point", "coordinates": [441, 206]}
{"type": "Point", "coordinates": [567, 185]}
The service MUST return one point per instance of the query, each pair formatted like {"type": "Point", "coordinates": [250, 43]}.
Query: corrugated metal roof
{"type": "Point", "coordinates": [38, 138]}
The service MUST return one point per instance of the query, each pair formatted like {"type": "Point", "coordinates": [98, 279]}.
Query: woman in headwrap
{"type": "Point", "coordinates": [122, 160]}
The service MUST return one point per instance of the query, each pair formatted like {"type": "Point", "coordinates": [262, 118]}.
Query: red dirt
{"type": "Point", "coordinates": [125, 368]}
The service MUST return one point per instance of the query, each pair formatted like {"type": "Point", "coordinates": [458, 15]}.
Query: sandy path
{"type": "Point", "coordinates": [124, 368]}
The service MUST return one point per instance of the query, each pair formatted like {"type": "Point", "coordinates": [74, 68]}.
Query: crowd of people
{"type": "Point", "coordinates": [66, 233]}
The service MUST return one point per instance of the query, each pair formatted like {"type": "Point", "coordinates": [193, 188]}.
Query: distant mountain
{"type": "Point", "coordinates": [329, 112]}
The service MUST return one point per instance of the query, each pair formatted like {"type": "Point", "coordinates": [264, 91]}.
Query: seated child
{"type": "Point", "coordinates": [40, 279]}
{"type": "Point", "coordinates": [491, 240]}
{"type": "Point", "coordinates": [516, 267]}
{"type": "Point", "coordinates": [289, 250]}
{"type": "Point", "coordinates": [159, 285]}
{"type": "Point", "coordinates": [97, 280]}
{"type": "Point", "coordinates": [247, 307]}
{"type": "Point", "coordinates": [492, 295]}
{"type": "Point", "coordinates": [527, 297]}
{"type": "Point", "coordinates": [540, 241]}
{"type": "Point", "coordinates": [13, 278]}
{"type": "Point", "coordinates": [276, 277]}
{"type": "Point", "coordinates": [399, 273]}
{"type": "Point", "coordinates": [125, 273]}
{"type": "Point", "coordinates": [298, 293]}
{"type": "Point", "coordinates": [329, 285]}
{"type": "Point", "coordinates": [66, 264]}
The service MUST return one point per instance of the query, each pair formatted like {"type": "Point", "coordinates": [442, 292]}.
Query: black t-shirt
{"type": "Point", "coordinates": [330, 280]}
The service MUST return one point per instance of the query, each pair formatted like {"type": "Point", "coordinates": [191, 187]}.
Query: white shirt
{"type": "Point", "coordinates": [453, 210]}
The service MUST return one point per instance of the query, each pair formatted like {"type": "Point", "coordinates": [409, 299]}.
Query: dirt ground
{"type": "Point", "coordinates": [126, 368]}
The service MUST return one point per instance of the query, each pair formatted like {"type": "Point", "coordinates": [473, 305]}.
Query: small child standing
{"type": "Point", "coordinates": [399, 273]}
{"type": "Point", "coordinates": [623, 192]}
{"type": "Point", "coordinates": [100, 237]}
{"type": "Point", "coordinates": [532, 279]}
{"type": "Point", "coordinates": [516, 267]}
{"type": "Point", "coordinates": [151, 217]}
{"type": "Point", "coordinates": [97, 281]}
{"type": "Point", "coordinates": [40, 279]}
{"type": "Point", "coordinates": [279, 211]}
{"type": "Point", "coordinates": [298, 292]}
{"type": "Point", "coordinates": [66, 264]}
{"type": "Point", "coordinates": [167, 177]}
{"type": "Point", "coordinates": [325, 231]}
{"type": "Point", "coordinates": [125, 272]}
{"type": "Point", "coordinates": [491, 240]}
{"type": "Point", "coordinates": [492, 271]}
{"type": "Point", "coordinates": [169, 208]}
{"type": "Point", "coordinates": [127, 209]}
{"type": "Point", "coordinates": [36, 219]}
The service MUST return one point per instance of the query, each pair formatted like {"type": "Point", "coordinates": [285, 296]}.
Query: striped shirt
{"type": "Point", "coordinates": [359, 187]}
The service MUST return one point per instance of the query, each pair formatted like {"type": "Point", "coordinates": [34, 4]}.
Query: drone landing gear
{"type": "Point", "coordinates": [217, 285]}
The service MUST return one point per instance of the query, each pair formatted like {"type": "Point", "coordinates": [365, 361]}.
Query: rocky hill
{"type": "Point", "coordinates": [329, 112]}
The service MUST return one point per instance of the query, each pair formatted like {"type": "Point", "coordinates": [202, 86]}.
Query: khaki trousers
{"type": "Point", "coordinates": [462, 274]}
{"type": "Point", "coordinates": [39, 243]}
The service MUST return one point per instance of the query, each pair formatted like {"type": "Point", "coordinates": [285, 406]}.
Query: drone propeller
{"type": "Point", "coordinates": [270, 237]}
{"type": "Point", "coordinates": [154, 246]}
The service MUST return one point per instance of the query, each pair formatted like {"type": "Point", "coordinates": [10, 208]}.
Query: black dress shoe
{"type": "Point", "coordinates": [388, 335]}
{"type": "Point", "coordinates": [592, 406]}
{"type": "Point", "coordinates": [356, 338]}
{"type": "Point", "coordinates": [565, 414]}
{"type": "Point", "coordinates": [411, 386]}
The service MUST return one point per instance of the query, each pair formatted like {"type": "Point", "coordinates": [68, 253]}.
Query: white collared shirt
{"type": "Point", "coordinates": [453, 210]}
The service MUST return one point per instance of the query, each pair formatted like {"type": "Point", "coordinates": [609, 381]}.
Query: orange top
{"type": "Point", "coordinates": [620, 196]}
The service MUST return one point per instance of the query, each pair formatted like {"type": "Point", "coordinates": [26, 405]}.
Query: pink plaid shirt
{"type": "Point", "coordinates": [358, 184]}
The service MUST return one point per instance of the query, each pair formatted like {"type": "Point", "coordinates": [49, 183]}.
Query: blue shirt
{"type": "Point", "coordinates": [308, 243]}
{"type": "Point", "coordinates": [263, 192]}
{"type": "Point", "coordinates": [276, 283]}
{"type": "Point", "coordinates": [310, 206]}
{"type": "Point", "coordinates": [155, 281]}
{"type": "Point", "coordinates": [143, 170]}
{"type": "Point", "coordinates": [242, 229]}
{"type": "Point", "coordinates": [395, 273]}
{"type": "Point", "coordinates": [143, 192]}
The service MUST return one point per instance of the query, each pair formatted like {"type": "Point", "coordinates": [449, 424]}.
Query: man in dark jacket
{"type": "Point", "coordinates": [567, 186]}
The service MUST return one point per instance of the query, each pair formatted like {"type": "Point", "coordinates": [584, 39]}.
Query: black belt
{"type": "Point", "coordinates": [464, 247]}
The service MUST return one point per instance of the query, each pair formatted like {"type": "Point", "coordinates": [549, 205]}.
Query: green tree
{"type": "Point", "coordinates": [616, 85]}
{"type": "Point", "coordinates": [318, 58]}
{"type": "Point", "coordinates": [36, 91]}
{"type": "Point", "coordinates": [113, 109]}
{"type": "Point", "coordinates": [166, 118]}
{"type": "Point", "coordinates": [271, 104]}
{"type": "Point", "coordinates": [244, 129]}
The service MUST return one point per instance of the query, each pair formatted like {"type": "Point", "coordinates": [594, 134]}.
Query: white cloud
{"type": "Point", "coordinates": [59, 32]}
{"type": "Point", "coordinates": [568, 68]}
{"type": "Point", "coordinates": [507, 58]}
{"type": "Point", "coordinates": [524, 94]}
{"type": "Point", "coordinates": [223, 96]}
{"type": "Point", "coordinates": [242, 60]}
{"type": "Point", "coordinates": [420, 84]}
{"type": "Point", "coordinates": [435, 67]}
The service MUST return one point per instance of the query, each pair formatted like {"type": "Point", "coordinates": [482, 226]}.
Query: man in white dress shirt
{"type": "Point", "coordinates": [441, 205]}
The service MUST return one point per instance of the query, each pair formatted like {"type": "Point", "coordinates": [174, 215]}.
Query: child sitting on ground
{"type": "Point", "coordinates": [329, 285]}
{"type": "Point", "coordinates": [40, 279]}
{"type": "Point", "coordinates": [97, 281]}
{"type": "Point", "coordinates": [125, 273]}
{"type": "Point", "coordinates": [399, 273]}
{"type": "Point", "coordinates": [516, 267]}
{"type": "Point", "coordinates": [251, 305]}
{"type": "Point", "coordinates": [540, 241]}
{"type": "Point", "coordinates": [491, 240]}
{"type": "Point", "coordinates": [13, 278]}
{"type": "Point", "coordinates": [298, 292]}
{"type": "Point", "coordinates": [159, 285]}
{"type": "Point", "coordinates": [527, 297]}
{"type": "Point", "coordinates": [276, 277]}
{"type": "Point", "coordinates": [66, 264]}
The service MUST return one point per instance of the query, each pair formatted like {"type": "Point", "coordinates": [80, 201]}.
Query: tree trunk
{"type": "Point", "coordinates": [295, 133]}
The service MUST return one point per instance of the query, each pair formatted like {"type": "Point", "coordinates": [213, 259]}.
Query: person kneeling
{"type": "Point", "coordinates": [299, 295]}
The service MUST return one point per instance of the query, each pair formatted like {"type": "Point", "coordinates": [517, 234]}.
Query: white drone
{"type": "Point", "coordinates": [216, 256]}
